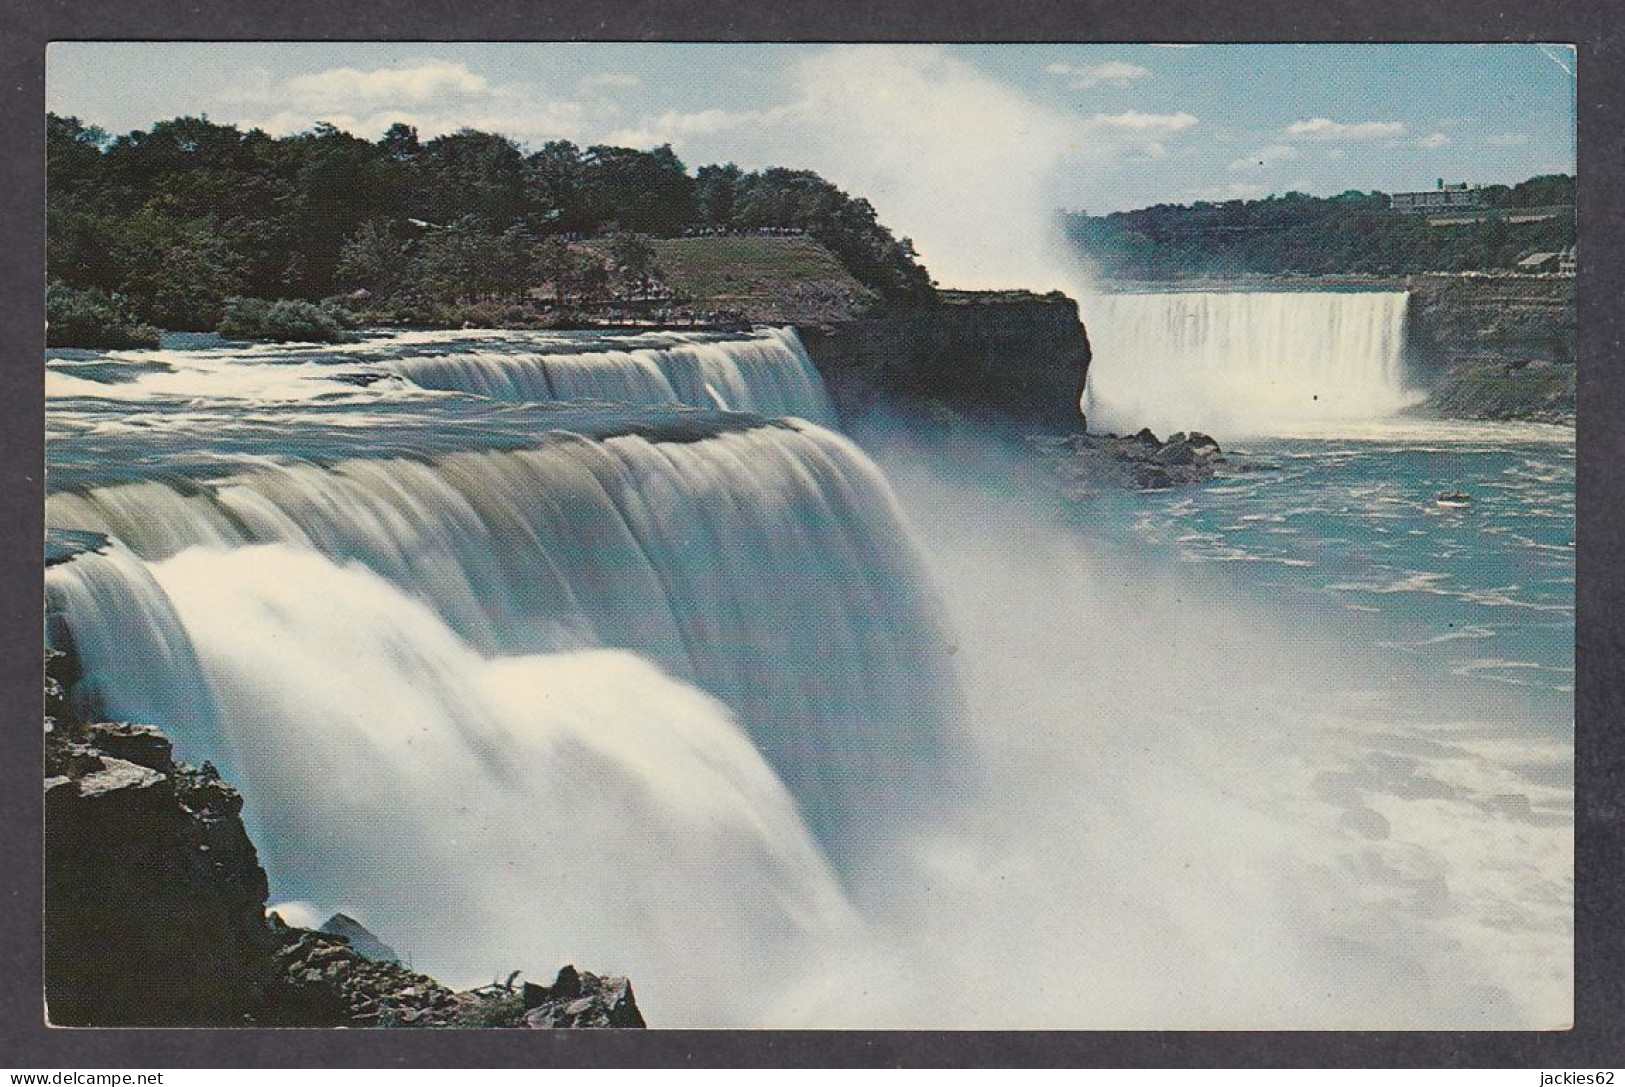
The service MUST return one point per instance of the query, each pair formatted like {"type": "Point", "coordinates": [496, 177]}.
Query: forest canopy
{"type": "Point", "coordinates": [168, 225]}
{"type": "Point", "coordinates": [1352, 233]}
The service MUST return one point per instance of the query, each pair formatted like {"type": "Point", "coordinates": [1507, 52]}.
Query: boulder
{"type": "Point", "coordinates": [360, 938]}
{"type": "Point", "coordinates": [578, 999]}
{"type": "Point", "coordinates": [324, 981]}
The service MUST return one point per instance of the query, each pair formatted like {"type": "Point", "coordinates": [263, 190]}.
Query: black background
{"type": "Point", "coordinates": [1598, 1037]}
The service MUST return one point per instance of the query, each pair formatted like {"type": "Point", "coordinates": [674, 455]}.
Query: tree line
{"type": "Point", "coordinates": [169, 224]}
{"type": "Point", "coordinates": [1355, 232]}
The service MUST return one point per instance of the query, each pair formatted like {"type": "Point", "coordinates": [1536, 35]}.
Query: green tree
{"type": "Point", "coordinates": [558, 193]}
{"type": "Point", "coordinates": [341, 182]}
{"type": "Point", "coordinates": [716, 189]}
{"type": "Point", "coordinates": [647, 192]}
{"type": "Point", "coordinates": [634, 261]}
{"type": "Point", "coordinates": [465, 261]}
{"type": "Point", "coordinates": [375, 259]}
{"type": "Point", "coordinates": [471, 173]}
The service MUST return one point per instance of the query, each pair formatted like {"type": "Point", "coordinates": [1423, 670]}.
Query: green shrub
{"type": "Point", "coordinates": [501, 1011]}
{"type": "Point", "coordinates": [287, 319]}
{"type": "Point", "coordinates": [92, 318]}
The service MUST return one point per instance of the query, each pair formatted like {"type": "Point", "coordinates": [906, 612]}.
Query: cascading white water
{"type": "Point", "coordinates": [767, 565]}
{"type": "Point", "coordinates": [612, 684]}
{"type": "Point", "coordinates": [1243, 363]}
{"type": "Point", "coordinates": [576, 806]}
{"type": "Point", "coordinates": [768, 373]}
{"type": "Point", "coordinates": [660, 690]}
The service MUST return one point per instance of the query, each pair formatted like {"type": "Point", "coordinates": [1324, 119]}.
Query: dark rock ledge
{"type": "Point", "coordinates": [155, 911]}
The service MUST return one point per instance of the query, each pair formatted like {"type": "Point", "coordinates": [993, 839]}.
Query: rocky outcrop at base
{"type": "Point", "coordinates": [577, 999]}
{"type": "Point", "coordinates": [322, 981]}
{"type": "Point", "coordinates": [1139, 462]}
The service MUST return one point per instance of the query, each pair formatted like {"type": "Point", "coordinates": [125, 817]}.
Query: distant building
{"type": "Point", "coordinates": [1443, 198]}
{"type": "Point", "coordinates": [1562, 262]}
{"type": "Point", "coordinates": [1540, 262]}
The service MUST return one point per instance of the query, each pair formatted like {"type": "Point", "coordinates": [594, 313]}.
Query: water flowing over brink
{"type": "Point", "coordinates": [1245, 363]}
{"type": "Point", "coordinates": [564, 693]}
{"type": "Point", "coordinates": [768, 374]}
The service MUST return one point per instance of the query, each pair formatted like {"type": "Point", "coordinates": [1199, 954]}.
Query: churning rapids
{"type": "Point", "coordinates": [529, 648]}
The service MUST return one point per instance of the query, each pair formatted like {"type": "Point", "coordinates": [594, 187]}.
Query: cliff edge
{"type": "Point", "coordinates": [987, 355]}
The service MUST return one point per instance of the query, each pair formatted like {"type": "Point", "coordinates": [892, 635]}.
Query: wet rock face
{"type": "Point", "coordinates": [577, 999]}
{"type": "Point", "coordinates": [1495, 347]}
{"type": "Point", "coordinates": [154, 896]}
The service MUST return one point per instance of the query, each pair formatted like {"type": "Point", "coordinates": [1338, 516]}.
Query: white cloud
{"type": "Point", "coordinates": [1235, 190]}
{"type": "Point", "coordinates": [1508, 139]}
{"type": "Point", "coordinates": [1112, 73]}
{"type": "Point", "coordinates": [1323, 128]}
{"type": "Point", "coordinates": [1264, 157]}
{"type": "Point", "coordinates": [1435, 141]}
{"type": "Point", "coordinates": [1135, 121]}
{"type": "Point", "coordinates": [673, 125]}
{"type": "Point", "coordinates": [421, 83]}
{"type": "Point", "coordinates": [609, 80]}
{"type": "Point", "coordinates": [435, 97]}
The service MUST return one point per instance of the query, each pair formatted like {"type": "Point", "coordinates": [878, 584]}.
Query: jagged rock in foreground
{"type": "Point", "coordinates": [360, 937]}
{"type": "Point", "coordinates": [322, 980]}
{"type": "Point", "coordinates": [577, 999]}
{"type": "Point", "coordinates": [155, 910]}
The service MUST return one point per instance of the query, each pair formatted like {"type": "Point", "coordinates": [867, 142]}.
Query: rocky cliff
{"type": "Point", "coordinates": [154, 896]}
{"type": "Point", "coordinates": [1495, 347]}
{"type": "Point", "coordinates": [155, 909]}
{"type": "Point", "coordinates": [985, 355]}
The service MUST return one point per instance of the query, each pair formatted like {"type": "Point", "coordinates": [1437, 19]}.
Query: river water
{"type": "Point", "coordinates": [529, 648]}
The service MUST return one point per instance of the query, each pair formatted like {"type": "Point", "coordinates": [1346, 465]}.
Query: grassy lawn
{"type": "Point", "coordinates": [760, 277]}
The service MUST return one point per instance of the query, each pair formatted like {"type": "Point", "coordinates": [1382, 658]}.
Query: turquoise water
{"type": "Point", "coordinates": [1484, 591]}
{"type": "Point", "coordinates": [1300, 737]}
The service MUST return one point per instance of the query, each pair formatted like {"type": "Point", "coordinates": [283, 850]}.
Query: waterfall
{"type": "Point", "coordinates": [1245, 363]}
{"type": "Point", "coordinates": [767, 373]}
{"type": "Point", "coordinates": [768, 566]}
{"type": "Point", "coordinates": [525, 647]}
{"type": "Point", "coordinates": [486, 812]}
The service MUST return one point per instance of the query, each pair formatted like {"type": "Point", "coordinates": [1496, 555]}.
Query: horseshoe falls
{"type": "Point", "coordinates": [1245, 363]}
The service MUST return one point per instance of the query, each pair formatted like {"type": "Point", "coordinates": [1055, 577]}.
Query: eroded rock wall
{"type": "Point", "coordinates": [986, 355]}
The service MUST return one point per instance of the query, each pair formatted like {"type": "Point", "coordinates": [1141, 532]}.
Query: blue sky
{"type": "Point", "coordinates": [935, 135]}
